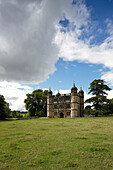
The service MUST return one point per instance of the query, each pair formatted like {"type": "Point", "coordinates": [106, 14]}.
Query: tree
{"type": "Point", "coordinates": [36, 103]}
{"type": "Point", "coordinates": [99, 100]}
{"type": "Point", "coordinates": [7, 110]}
{"type": "Point", "coordinates": [87, 110]}
{"type": "Point", "coordinates": [15, 114]}
{"type": "Point", "coordinates": [111, 106]}
{"type": "Point", "coordinates": [2, 107]}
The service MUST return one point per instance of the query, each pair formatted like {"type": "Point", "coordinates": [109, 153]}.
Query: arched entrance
{"type": "Point", "coordinates": [61, 115]}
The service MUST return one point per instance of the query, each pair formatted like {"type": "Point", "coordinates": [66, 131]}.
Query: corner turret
{"type": "Point", "coordinates": [81, 94]}
{"type": "Point", "coordinates": [49, 92]}
{"type": "Point", "coordinates": [58, 94]}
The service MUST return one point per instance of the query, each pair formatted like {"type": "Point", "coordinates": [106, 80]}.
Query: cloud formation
{"type": "Point", "coordinates": [28, 50]}
{"type": "Point", "coordinates": [27, 28]}
{"type": "Point", "coordinates": [32, 41]}
{"type": "Point", "coordinates": [73, 47]}
{"type": "Point", "coordinates": [15, 94]}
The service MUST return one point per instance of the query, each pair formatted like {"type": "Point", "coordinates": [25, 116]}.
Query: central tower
{"type": "Point", "coordinates": [74, 101]}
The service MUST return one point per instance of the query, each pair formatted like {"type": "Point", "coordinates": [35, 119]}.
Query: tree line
{"type": "Point", "coordinates": [36, 102]}
{"type": "Point", "coordinates": [5, 111]}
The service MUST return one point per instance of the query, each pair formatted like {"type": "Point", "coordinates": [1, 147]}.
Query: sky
{"type": "Point", "coordinates": [49, 44]}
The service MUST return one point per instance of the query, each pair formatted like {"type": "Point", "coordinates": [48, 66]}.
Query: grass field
{"type": "Point", "coordinates": [78, 143]}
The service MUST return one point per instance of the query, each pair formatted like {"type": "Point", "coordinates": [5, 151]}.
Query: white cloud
{"type": "Point", "coordinates": [31, 42]}
{"type": "Point", "coordinates": [14, 94]}
{"type": "Point", "coordinates": [27, 31]}
{"type": "Point", "coordinates": [27, 50]}
{"type": "Point", "coordinates": [109, 26]}
{"type": "Point", "coordinates": [72, 47]}
{"type": "Point", "coordinates": [110, 94]}
{"type": "Point", "coordinates": [108, 76]}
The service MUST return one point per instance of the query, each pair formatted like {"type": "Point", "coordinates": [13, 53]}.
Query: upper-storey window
{"type": "Point", "coordinates": [61, 106]}
{"type": "Point", "coordinates": [67, 97]}
{"type": "Point", "coordinates": [68, 106]}
{"type": "Point", "coordinates": [55, 106]}
{"type": "Point", "coordinates": [55, 100]}
{"type": "Point", "coordinates": [61, 99]}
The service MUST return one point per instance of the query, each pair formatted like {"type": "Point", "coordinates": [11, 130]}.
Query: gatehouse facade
{"type": "Point", "coordinates": [65, 105]}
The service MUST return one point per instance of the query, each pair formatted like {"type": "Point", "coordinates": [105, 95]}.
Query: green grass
{"type": "Point", "coordinates": [78, 143]}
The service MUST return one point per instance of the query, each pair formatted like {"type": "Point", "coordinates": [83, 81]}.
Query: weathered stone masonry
{"type": "Point", "coordinates": [65, 105]}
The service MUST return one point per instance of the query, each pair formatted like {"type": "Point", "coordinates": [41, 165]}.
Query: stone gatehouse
{"type": "Point", "coordinates": [65, 105]}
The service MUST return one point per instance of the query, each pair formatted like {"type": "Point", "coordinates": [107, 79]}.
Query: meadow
{"type": "Point", "coordinates": [66, 143]}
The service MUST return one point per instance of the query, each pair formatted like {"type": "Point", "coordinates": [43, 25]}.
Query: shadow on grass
{"type": "Point", "coordinates": [21, 118]}
{"type": "Point", "coordinates": [71, 165]}
{"type": "Point", "coordinates": [14, 146]}
{"type": "Point", "coordinates": [8, 119]}
{"type": "Point", "coordinates": [98, 149]}
{"type": "Point", "coordinates": [54, 153]}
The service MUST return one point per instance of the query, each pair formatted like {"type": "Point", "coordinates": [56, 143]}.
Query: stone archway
{"type": "Point", "coordinates": [61, 115]}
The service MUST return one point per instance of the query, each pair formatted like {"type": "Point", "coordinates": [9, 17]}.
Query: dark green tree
{"type": "Point", "coordinates": [36, 103]}
{"type": "Point", "coordinates": [110, 106]}
{"type": "Point", "coordinates": [87, 110]}
{"type": "Point", "coordinates": [7, 111]}
{"type": "Point", "coordinates": [15, 114]}
{"type": "Point", "coordinates": [2, 107]}
{"type": "Point", "coordinates": [99, 100]}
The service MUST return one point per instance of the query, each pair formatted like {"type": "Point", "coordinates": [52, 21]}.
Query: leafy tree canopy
{"type": "Point", "coordinates": [98, 89]}
{"type": "Point", "coordinates": [4, 108]}
{"type": "Point", "coordinates": [36, 103]}
{"type": "Point", "coordinates": [7, 110]}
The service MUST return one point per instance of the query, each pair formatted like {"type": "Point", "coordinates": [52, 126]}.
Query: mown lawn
{"type": "Point", "coordinates": [78, 143]}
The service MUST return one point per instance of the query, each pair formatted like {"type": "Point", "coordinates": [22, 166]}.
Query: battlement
{"type": "Point", "coordinates": [62, 95]}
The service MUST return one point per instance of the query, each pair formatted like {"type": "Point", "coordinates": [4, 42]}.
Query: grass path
{"type": "Point", "coordinates": [78, 143]}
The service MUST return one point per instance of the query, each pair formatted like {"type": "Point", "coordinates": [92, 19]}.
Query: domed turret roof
{"type": "Point", "coordinates": [81, 91]}
{"type": "Point", "coordinates": [74, 88]}
{"type": "Point", "coordinates": [58, 94]}
{"type": "Point", "coordinates": [49, 90]}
